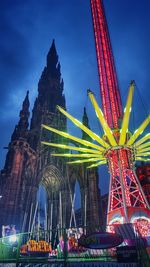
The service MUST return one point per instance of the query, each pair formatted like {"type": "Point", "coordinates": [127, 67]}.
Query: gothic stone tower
{"type": "Point", "coordinates": [90, 189]}
{"type": "Point", "coordinates": [29, 164]}
{"type": "Point", "coordinates": [88, 179]}
{"type": "Point", "coordinates": [50, 172]}
{"type": "Point", "coordinates": [18, 174]}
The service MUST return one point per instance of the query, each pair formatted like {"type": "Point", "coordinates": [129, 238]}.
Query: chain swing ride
{"type": "Point", "coordinates": [118, 147]}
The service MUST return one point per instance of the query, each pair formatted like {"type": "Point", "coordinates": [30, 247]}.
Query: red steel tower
{"type": "Point", "coordinates": [127, 202]}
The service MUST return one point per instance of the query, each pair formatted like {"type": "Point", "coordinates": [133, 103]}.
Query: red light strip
{"type": "Point", "coordinates": [110, 94]}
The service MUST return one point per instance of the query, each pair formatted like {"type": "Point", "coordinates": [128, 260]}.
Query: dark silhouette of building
{"type": "Point", "coordinates": [104, 205]}
{"type": "Point", "coordinates": [29, 164]}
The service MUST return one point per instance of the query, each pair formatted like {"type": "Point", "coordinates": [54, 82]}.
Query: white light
{"type": "Point", "coordinates": [0, 196]}
{"type": "Point", "coordinates": [13, 238]}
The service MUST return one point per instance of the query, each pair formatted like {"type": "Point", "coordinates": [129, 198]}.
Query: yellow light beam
{"type": "Point", "coordinates": [102, 120]}
{"type": "Point", "coordinates": [138, 131]}
{"type": "Point", "coordinates": [143, 150]}
{"type": "Point", "coordinates": [69, 155]}
{"type": "Point", "coordinates": [97, 164]}
{"type": "Point", "coordinates": [84, 160]}
{"type": "Point", "coordinates": [126, 116]}
{"type": "Point", "coordinates": [71, 137]}
{"type": "Point", "coordinates": [84, 128]}
{"type": "Point", "coordinates": [142, 159]}
{"type": "Point", "coordinates": [142, 140]}
{"type": "Point", "coordinates": [143, 154]}
{"type": "Point", "coordinates": [82, 149]}
{"type": "Point", "coordinates": [147, 144]}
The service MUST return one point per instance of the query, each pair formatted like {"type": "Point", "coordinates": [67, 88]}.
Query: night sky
{"type": "Point", "coordinates": [27, 29]}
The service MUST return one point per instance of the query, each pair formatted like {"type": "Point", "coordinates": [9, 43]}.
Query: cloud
{"type": "Point", "coordinates": [27, 29]}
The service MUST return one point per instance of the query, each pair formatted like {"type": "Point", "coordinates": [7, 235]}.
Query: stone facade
{"type": "Point", "coordinates": [29, 164]}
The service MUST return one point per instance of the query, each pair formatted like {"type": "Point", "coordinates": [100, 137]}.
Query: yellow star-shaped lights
{"type": "Point", "coordinates": [95, 153]}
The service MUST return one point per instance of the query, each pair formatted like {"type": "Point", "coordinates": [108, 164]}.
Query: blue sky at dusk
{"type": "Point", "coordinates": [27, 29]}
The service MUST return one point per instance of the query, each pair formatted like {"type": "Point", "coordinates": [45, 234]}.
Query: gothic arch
{"type": "Point", "coordinates": [52, 179]}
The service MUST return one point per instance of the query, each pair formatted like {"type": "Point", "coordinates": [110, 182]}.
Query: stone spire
{"type": "Point", "coordinates": [52, 58]}
{"type": "Point", "coordinates": [85, 121]}
{"type": "Point", "coordinates": [20, 130]}
{"type": "Point", "coordinates": [50, 89]}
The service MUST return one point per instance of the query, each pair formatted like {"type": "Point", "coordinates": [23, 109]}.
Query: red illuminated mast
{"type": "Point", "coordinates": [111, 100]}
{"type": "Point", "coordinates": [126, 198]}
